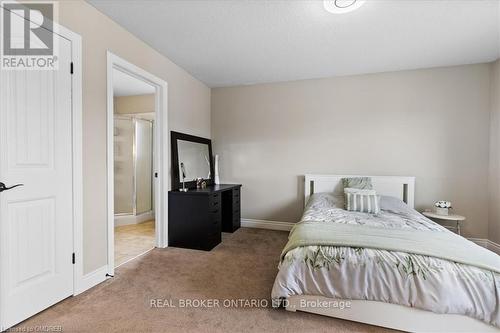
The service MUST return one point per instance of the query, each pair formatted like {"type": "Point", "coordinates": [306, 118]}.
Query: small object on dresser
{"type": "Point", "coordinates": [442, 207]}
{"type": "Point", "coordinates": [203, 184]}
{"type": "Point", "coordinates": [198, 182]}
{"type": "Point", "coordinates": [183, 170]}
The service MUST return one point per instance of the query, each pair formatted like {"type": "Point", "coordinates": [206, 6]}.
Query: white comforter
{"type": "Point", "coordinates": [418, 281]}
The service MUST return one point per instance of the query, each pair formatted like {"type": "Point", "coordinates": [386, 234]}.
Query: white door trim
{"type": "Point", "coordinates": [161, 151]}
{"type": "Point", "coordinates": [77, 132]}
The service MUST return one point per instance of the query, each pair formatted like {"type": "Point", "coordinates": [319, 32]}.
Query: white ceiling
{"type": "Point", "coordinates": [127, 85]}
{"type": "Point", "coordinates": [226, 43]}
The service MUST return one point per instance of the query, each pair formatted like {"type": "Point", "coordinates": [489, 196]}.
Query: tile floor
{"type": "Point", "coordinates": [133, 240]}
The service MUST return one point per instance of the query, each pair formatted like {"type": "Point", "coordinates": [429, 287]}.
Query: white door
{"type": "Point", "coordinates": [36, 220]}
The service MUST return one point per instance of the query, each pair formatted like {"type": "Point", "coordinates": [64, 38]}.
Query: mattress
{"type": "Point", "coordinates": [412, 280]}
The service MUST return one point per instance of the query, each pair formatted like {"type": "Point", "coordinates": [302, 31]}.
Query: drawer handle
{"type": "Point", "coordinates": [215, 211]}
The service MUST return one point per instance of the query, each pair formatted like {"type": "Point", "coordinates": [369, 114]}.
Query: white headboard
{"type": "Point", "coordinates": [395, 186]}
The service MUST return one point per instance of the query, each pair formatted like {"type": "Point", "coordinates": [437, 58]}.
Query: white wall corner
{"type": "Point", "coordinates": [92, 279]}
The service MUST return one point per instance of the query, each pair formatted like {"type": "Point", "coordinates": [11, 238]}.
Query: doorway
{"type": "Point", "coordinates": [134, 118]}
{"type": "Point", "coordinates": [137, 159]}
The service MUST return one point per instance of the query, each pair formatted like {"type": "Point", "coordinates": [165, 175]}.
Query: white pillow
{"type": "Point", "coordinates": [365, 201]}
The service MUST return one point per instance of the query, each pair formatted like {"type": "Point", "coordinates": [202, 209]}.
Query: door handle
{"type": "Point", "coordinates": [5, 188]}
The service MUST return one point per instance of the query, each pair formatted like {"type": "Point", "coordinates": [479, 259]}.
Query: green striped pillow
{"type": "Point", "coordinates": [365, 201]}
{"type": "Point", "coordinates": [362, 183]}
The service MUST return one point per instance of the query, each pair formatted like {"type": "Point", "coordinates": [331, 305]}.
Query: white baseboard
{"type": "Point", "coordinates": [495, 247]}
{"type": "Point", "coordinates": [133, 219]}
{"type": "Point", "coordinates": [92, 279]}
{"type": "Point", "coordinates": [287, 226]}
{"type": "Point", "coordinates": [479, 241]}
{"type": "Point", "coordinates": [265, 224]}
{"type": "Point", "coordinates": [486, 243]}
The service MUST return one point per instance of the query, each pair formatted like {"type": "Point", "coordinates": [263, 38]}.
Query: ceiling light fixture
{"type": "Point", "coordinates": [342, 6]}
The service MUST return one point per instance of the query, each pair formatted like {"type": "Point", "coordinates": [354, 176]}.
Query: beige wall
{"type": "Point", "coordinates": [432, 124]}
{"type": "Point", "coordinates": [134, 104]}
{"type": "Point", "coordinates": [494, 212]}
{"type": "Point", "coordinates": [188, 103]}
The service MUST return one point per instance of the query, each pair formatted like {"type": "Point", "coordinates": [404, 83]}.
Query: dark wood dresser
{"type": "Point", "coordinates": [197, 217]}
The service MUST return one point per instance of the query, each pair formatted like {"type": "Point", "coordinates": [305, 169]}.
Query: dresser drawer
{"type": "Point", "coordinates": [214, 198]}
{"type": "Point", "coordinates": [236, 223]}
{"type": "Point", "coordinates": [212, 241]}
{"type": "Point", "coordinates": [213, 231]}
{"type": "Point", "coordinates": [214, 206]}
{"type": "Point", "coordinates": [214, 228]}
{"type": "Point", "coordinates": [215, 217]}
{"type": "Point", "coordinates": [236, 206]}
{"type": "Point", "coordinates": [236, 198]}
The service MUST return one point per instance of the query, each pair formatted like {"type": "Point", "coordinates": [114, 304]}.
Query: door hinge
{"type": "Point", "coordinates": [71, 68]}
{"type": "Point", "coordinates": [73, 258]}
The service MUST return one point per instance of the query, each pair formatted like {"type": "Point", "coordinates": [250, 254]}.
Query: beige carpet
{"type": "Point", "coordinates": [243, 266]}
{"type": "Point", "coordinates": [133, 240]}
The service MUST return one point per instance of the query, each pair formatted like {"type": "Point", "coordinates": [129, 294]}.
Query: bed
{"type": "Point", "coordinates": [389, 288]}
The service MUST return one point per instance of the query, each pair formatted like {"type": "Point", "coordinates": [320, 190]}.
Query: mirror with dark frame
{"type": "Point", "coordinates": [191, 159]}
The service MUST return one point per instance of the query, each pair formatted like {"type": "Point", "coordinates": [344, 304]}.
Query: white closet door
{"type": "Point", "coordinates": [36, 220]}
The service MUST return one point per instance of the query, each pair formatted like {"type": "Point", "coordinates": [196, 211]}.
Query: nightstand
{"type": "Point", "coordinates": [456, 218]}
